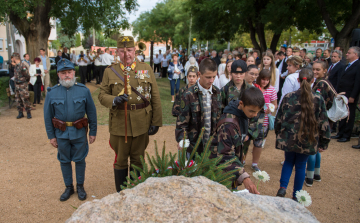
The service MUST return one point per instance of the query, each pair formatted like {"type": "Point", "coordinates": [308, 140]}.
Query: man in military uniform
{"type": "Point", "coordinates": [144, 115]}
{"type": "Point", "coordinates": [21, 78]}
{"type": "Point", "coordinates": [65, 107]}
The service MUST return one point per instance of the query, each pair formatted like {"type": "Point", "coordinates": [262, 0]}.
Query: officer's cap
{"type": "Point", "coordinates": [238, 63]}
{"type": "Point", "coordinates": [65, 64]}
{"type": "Point", "coordinates": [129, 40]}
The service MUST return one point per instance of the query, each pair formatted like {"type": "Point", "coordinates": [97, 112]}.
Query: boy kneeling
{"type": "Point", "coordinates": [231, 133]}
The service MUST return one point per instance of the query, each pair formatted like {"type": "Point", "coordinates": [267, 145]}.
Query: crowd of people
{"type": "Point", "coordinates": [289, 91]}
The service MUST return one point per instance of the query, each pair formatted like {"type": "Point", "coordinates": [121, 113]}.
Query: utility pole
{"type": "Point", "coordinates": [189, 35]}
{"type": "Point", "coordinates": [228, 46]}
{"type": "Point", "coordinates": [94, 38]}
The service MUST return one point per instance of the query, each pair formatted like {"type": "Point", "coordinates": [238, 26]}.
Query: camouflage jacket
{"type": "Point", "coordinates": [287, 125]}
{"type": "Point", "coordinates": [176, 106]}
{"type": "Point", "coordinates": [191, 117]}
{"type": "Point", "coordinates": [21, 72]}
{"type": "Point", "coordinates": [228, 141]}
{"type": "Point", "coordinates": [228, 93]}
{"type": "Point", "coordinates": [324, 89]}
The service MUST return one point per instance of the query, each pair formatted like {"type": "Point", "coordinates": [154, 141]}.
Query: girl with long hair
{"type": "Point", "coordinates": [268, 63]}
{"type": "Point", "coordinates": [250, 60]}
{"type": "Point", "coordinates": [322, 87]}
{"type": "Point", "coordinates": [302, 129]}
{"type": "Point", "coordinates": [225, 77]}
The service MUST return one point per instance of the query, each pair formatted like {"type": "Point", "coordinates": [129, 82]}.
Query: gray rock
{"type": "Point", "coordinates": [181, 199]}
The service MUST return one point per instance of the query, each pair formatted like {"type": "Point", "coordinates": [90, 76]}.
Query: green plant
{"type": "Point", "coordinates": [165, 165]}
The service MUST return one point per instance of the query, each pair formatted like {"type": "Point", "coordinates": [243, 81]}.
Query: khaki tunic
{"type": "Point", "coordinates": [138, 121]}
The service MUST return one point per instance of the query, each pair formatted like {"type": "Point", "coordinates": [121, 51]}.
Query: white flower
{"type": "Point", "coordinates": [271, 107]}
{"type": "Point", "coordinates": [261, 175]}
{"type": "Point", "coordinates": [187, 143]}
{"type": "Point", "coordinates": [303, 197]}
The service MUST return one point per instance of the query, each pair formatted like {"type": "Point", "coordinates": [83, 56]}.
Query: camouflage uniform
{"type": "Point", "coordinates": [228, 141]}
{"type": "Point", "coordinates": [325, 91]}
{"type": "Point", "coordinates": [176, 107]}
{"type": "Point", "coordinates": [191, 118]}
{"type": "Point", "coordinates": [22, 76]}
{"type": "Point", "coordinates": [228, 93]}
{"type": "Point", "coordinates": [287, 125]}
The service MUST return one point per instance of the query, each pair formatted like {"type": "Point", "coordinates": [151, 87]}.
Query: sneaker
{"type": "Point", "coordinates": [317, 178]}
{"type": "Point", "coordinates": [308, 182]}
{"type": "Point", "coordinates": [255, 167]}
{"type": "Point", "coordinates": [281, 192]}
{"type": "Point", "coordinates": [282, 163]}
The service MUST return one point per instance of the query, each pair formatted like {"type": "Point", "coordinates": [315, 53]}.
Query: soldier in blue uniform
{"type": "Point", "coordinates": [65, 107]}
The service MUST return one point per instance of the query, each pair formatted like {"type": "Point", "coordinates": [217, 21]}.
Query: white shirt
{"type": "Point", "coordinates": [221, 68]}
{"type": "Point", "coordinates": [98, 61]}
{"type": "Point", "coordinates": [216, 82]}
{"type": "Point", "coordinates": [176, 69]}
{"type": "Point", "coordinates": [164, 62]}
{"type": "Point", "coordinates": [157, 60]}
{"type": "Point", "coordinates": [291, 84]}
{"type": "Point", "coordinates": [73, 58]}
{"type": "Point", "coordinates": [140, 58]}
{"type": "Point", "coordinates": [32, 72]}
{"type": "Point", "coordinates": [223, 80]}
{"type": "Point", "coordinates": [82, 62]}
{"type": "Point", "coordinates": [89, 58]}
{"type": "Point", "coordinates": [106, 59]}
{"type": "Point", "coordinates": [187, 65]}
{"type": "Point", "coordinates": [351, 63]}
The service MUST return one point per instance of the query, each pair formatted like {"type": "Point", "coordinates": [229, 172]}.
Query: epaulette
{"type": "Point", "coordinates": [53, 87]}
{"type": "Point", "coordinates": [80, 84]}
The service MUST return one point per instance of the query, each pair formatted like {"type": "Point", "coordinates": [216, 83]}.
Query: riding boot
{"type": "Point", "coordinates": [120, 178]}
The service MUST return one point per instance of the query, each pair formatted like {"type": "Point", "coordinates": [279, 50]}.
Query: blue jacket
{"type": "Point", "coordinates": [171, 69]}
{"type": "Point", "coordinates": [69, 105]}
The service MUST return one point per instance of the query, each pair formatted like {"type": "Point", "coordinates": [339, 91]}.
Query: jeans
{"type": "Point", "coordinates": [299, 161]}
{"type": "Point", "coordinates": [313, 165]}
{"type": "Point", "coordinates": [173, 83]}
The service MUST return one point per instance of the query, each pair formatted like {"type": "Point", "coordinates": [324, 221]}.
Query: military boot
{"type": "Point", "coordinates": [29, 115]}
{"type": "Point", "coordinates": [81, 192]}
{"type": "Point", "coordinates": [69, 190]}
{"type": "Point", "coordinates": [120, 178]}
{"type": "Point", "coordinates": [20, 115]}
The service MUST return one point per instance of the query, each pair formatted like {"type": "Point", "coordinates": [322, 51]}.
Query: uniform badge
{"type": "Point", "coordinates": [140, 89]}
{"type": "Point", "coordinates": [138, 98]}
{"type": "Point", "coordinates": [128, 68]}
{"type": "Point", "coordinates": [141, 76]}
{"type": "Point", "coordinates": [147, 96]}
{"type": "Point", "coordinates": [318, 91]}
{"type": "Point", "coordinates": [182, 104]}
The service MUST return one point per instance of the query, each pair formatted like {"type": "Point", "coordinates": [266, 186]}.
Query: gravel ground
{"type": "Point", "coordinates": [31, 181]}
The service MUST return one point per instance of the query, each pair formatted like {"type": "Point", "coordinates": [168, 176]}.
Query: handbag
{"type": "Point", "coordinates": [339, 109]}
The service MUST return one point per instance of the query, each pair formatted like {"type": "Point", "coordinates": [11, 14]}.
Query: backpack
{"type": "Point", "coordinates": [339, 109]}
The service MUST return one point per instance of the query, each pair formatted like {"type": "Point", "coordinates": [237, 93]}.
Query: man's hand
{"type": "Point", "coordinates": [46, 71]}
{"type": "Point", "coordinates": [250, 186]}
{"type": "Point", "coordinates": [351, 100]}
{"type": "Point", "coordinates": [246, 138]}
{"type": "Point", "coordinates": [120, 99]}
{"type": "Point", "coordinates": [153, 130]}
{"type": "Point", "coordinates": [92, 139]}
{"type": "Point", "coordinates": [53, 142]}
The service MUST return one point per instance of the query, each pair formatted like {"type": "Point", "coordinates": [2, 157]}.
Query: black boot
{"type": "Point", "coordinates": [29, 115]}
{"type": "Point", "coordinates": [20, 115]}
{"type": "Point", "coordinates": [81, 192]}
{"type": "Point", "coordinates": [120, 178]}
{"type": "Point", "coordinates": [69, 190]}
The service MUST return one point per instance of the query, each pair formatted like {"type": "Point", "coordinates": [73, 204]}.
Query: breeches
{"type": "Point", "coordinates": [72, 150]}
{"type": "Point", "coordinates": [134, 148]}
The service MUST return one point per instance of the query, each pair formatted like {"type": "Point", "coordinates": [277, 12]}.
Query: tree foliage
{"type": "Point", "coordinates": [165, 165]}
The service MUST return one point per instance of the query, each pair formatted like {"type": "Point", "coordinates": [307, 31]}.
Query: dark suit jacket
{"type": "Point", "coordinates": [67, 56]}
{"type": "Point", "coordinates": [57, 59]}
{"type": "Point", "coordinates": [284, 67]}
{"type": "Point", "coordinates": [350, 81]}
{"type": "Point", "coordinates": [335, 74]}
{"type": "Point", "coordinates": [217, 60]}
{"type": "Point", "coordinates": [328, 61]}
{"type": "Point", "coordinates": [278, 63]}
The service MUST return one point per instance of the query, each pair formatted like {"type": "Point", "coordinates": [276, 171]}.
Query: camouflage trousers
{"type": "Point", "coordinates": [22, 97]}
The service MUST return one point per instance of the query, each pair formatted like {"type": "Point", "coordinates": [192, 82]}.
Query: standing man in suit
{"type": "Point", "coordinates": [283, 69]}
{"type": "Point", "coordinates": [327, 57]}
{"type": "Point", "coordinates": [65, 54]}
{"type": "Point", "coordinates": [318, 54]}
{"type": "Point", "coordinates": [336, 68]}
{"type": "Point", "coordinates": [349, 83]}
{"type": "Point", "coordinates": [45, 61]}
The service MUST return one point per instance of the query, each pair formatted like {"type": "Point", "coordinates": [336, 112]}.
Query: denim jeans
{"type": "Point", "coordinates": [173, 83]}
{"type": "Point", "coordinates": [299, 161]}
{"type": "Point", "coordinates": [313, 165]}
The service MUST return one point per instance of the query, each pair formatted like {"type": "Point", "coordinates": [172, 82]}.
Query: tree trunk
{"type": "Point", "coordinates": [343, 42]}
{"type": "Point", "coordinates": [260, 30]}
{"type": "Point", "coordinates": [36, 31]}
{"type": "Point", "coordinates": [253, 35]}
{"type": "Point", "coordinates": [274, 42]}
{"type": "Point", "coordinates": [151, 53]}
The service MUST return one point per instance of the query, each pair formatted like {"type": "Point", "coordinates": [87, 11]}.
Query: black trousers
{"type": "Point", "coordinates": [88, 72]}
{"type": "Point", "coordinates": [82, 71]}
{"type": "Point", "coordinates": [102, 72]}
{"type": "Point", "coordinates": [37, 92]}
{"type": "Point", "coordinates": [97, 71]}
{"type": "Point", "coordinates": [164, 71]}
{"type": "Point", "coordinates": [345, 129]}
{"type": "Point", "coordinates": [156, 68]}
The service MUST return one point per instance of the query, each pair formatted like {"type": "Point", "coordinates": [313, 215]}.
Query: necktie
{"type": "Point", "coordinates": [348, 66]}
{"type": "Point", "coordinates": [331, 68]}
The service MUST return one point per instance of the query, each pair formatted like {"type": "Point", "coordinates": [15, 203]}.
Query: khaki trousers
{"type": "Point", "coordinates": [46, 81]}
{"type": "Point", "coordinates": [134, 148]}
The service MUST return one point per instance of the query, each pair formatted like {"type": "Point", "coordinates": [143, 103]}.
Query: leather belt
{"type": "Point", "coordinates": [133, 106]}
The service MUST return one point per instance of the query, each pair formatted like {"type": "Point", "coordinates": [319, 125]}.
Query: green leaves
{"type": "Point", "coordinates": [163, 165]}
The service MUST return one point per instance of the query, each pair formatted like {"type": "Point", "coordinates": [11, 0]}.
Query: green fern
{"type": "Point", "coordinates": [165, 165]}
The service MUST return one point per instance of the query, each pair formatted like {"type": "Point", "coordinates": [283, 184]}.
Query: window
{"type": "Point", "coordinates": [1, 45]}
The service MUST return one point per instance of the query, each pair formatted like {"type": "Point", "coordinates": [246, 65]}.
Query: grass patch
{"type": "Point", "coordinates": [165, 97]}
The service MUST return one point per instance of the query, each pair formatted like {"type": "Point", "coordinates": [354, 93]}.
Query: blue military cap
{"type": "Point", "coordinates": [65, 64]}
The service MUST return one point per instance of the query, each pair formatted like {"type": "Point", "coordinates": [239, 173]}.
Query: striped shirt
{"type": "Point", "coordinates": [269, 96]}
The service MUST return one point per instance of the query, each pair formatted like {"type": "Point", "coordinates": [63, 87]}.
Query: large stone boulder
{"type": "Point", "coordinates": [182, 199]}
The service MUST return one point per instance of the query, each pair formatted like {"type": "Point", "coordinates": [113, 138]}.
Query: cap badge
{"type": "Point", "coordinates": [125, 39]}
